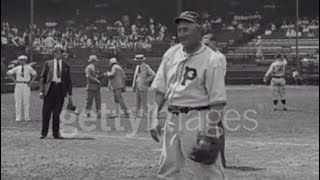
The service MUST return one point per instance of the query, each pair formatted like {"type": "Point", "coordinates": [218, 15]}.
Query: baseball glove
{"type": "Point", "coordinates": [155, 133]}
{"type": "Point", "coordinates": [72, 108]}
{"type": "Point", "coordinates": [267, 80]}
{"type": "Point", "coordinates": [206, 150]}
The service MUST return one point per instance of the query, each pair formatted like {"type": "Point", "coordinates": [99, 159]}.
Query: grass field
{"type": "Point", "coordinates": [283, 146]}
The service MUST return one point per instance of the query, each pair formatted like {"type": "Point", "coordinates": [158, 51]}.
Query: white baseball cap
{"type": "Point", "coordinates": [93, 58]}
{"type": "Point", "coordinates": [23, 57]}
{"type": "Point", "coordinates": [139, 57]}
{"type": "Point", "coordinates": [113, 61]}
{"type": "Point", "coordinates": [58, 47]}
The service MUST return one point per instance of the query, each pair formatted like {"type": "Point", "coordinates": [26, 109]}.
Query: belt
{"type": "Point", "coordinates": [55, 83]}
{"type": "Point", "coordinates": [185, 110]}
{"type": "Point", "coordinates": [22, 82]}
{"type": "Point", "coordinates": [277, 76]}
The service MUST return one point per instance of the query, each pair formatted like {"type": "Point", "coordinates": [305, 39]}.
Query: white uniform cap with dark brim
{"type": "Point", "coordinates": [58, 47]}
{"type": "Point", "coordinates": [139, 57]}
{"type": "Point", "coordinates": [93, 58]}
{"type": "Point", "coordinates": [113, 61]}
{"type": "Point", "coordinates": [22, 57]}
{"type": "Point", "coordinates": [189, 16]}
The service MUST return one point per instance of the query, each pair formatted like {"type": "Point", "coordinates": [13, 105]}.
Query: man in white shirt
{"type": "Point", "coordinates": [24, 77]}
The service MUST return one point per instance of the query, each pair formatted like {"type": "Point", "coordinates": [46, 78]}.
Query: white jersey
{"type": "Point", "coordinates": [22, 74]}
{"type": "Point", "coordinates": [191, 80]}
{"type": "Point", "coordinates": [277, 68]}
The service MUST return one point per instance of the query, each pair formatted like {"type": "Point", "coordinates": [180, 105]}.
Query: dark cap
{"type": "Point", "coordinates": [278, 56]}
{"type": "Point", "coordinates": [189, 16]}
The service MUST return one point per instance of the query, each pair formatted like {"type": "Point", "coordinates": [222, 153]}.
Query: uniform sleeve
{"type": "Point", "coordinates": [32, 71]}
{"type": "Point", "coordinates": [87, 71]}
{"type": "Point", "coordinates": [113, 71]}
{"type": "Point", "coordinates": [269, 71]}
{"type": "Point", "coordinates": [159, 83]}
{"type": "Point", "coordinates": [215, 82]}
{"type": "Point", "coordinates": [13, 71]}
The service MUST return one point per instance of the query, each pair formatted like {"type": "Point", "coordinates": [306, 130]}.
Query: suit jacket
{"type": "Point", "coordinates": [143, 77]}
{"type": "Point", "coordinates": [117, 77]}
{"type": "Point", "coordinates": [92, 76]}
{"type": "Point", "coordinates": [47, 74]}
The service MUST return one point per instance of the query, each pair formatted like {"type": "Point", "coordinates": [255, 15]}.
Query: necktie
{"type": "Point", "coordinates": [22, 71]}
{"type": "Point", "coordinates": [58, 69]}
{"type": "Point", "coordinates": [139, 69]}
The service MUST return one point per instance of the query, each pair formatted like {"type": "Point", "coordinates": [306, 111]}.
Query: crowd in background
{"type": "Point", "coordinates": [307, 27]}
{"type": "Point", "coordinates": [248, 23]}
{"type": "Point", "coordinates": [100, 33]}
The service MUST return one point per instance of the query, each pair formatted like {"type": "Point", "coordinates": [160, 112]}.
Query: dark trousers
{"type": "Point", "coordinates": [96, 96]}
{"type": "Point", "coordinates": [52, 104]}
{"type": "Point", "coordinates": [223, 158]}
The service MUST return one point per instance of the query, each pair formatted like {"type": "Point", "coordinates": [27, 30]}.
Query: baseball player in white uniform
{"type": "Point", "coordinates": [191, 80]}
{"type": "Point", "coordinates": [277, 72]}
{"type": "Point", "coordinates": [24, 77]}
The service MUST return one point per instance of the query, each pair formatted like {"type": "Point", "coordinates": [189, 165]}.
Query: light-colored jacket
{"type": "Point", "coordinates": [92, 76]}
{"type": "Point", "coordinates": [143, 77]}
{"type": "Point", "coordinates": [117, 77]}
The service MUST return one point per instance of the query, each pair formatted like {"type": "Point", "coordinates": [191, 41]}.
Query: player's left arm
{"type": "Point", "coordinates": [267, 75]}
{"type": "Point", "coordinates": [151, 74]}
{"type": "Point", "coordinates": [34, 75]}
{"type": "Point", "coordinates": [215, 83]}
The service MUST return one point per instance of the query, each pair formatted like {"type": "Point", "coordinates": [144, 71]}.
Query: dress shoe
{"type": "Point", "coordinates": [42, 137]}
{"type": "Point", "coordinates": [58, 137]}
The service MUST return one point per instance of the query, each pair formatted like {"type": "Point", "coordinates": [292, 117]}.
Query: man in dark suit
{"type": "Point", "coordinates": [55, 84]}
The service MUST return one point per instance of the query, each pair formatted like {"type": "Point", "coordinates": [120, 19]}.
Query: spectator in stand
{"type": "Point", "coordinates": [296, 76]}
{"type": "Point", "coordinates": [268, 32]}
{"type": "Point", "coordinates": [4, 40]}
{"type": "Point", "coordinates": [259, 54]}
{"type": "Point", "coordinates": [49, 41]}
{"type": "Point", "coordinates": [173, 41]}
{"type": "Point", "coordinates": [291, 33]}
{"type": "Point", "coordinates": [273, 27]}
{"type": "Point", "coordinates": [311, 34]}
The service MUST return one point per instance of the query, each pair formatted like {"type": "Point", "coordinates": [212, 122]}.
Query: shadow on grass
{"type": "Point", "coordinates": [75, 138]}
{"type": "Point", "coordinates": [245, 168]}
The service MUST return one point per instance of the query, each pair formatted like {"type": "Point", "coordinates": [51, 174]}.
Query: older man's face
{"type": "Point", "coordinates": [188, 33]}
{"type": "Point", "coordinates": [22, 61]}
{"type": "Point", "coordinates": [57, 54]}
